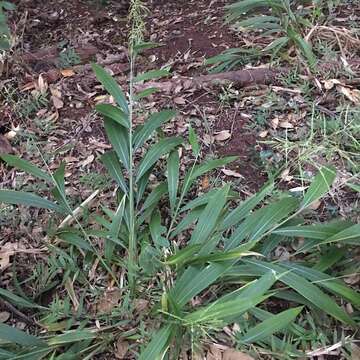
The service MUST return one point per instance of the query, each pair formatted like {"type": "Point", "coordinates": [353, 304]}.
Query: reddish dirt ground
{"type": "Point", "coordinates": [189, 32]}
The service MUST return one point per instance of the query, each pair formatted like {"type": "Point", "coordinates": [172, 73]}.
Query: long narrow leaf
{"type": "Point", "coordinates": [26, 166]}
{"type": "Point", "coordinates": [151, 124]}
{"type": "Point", "coordinates": [155, 152]}
{"type": "Point", "coordinates": [158, 344]}
{"type": "Point", "coordinates": [208, 219]}
{"type": "Point", "coordinates": [320, 186]}
{"type": "Point", "coordinates": [306, 289]}
{"type": "Point", "coordinates": [173, 167]}
{"type": "Point", "coordinates": [270, 326]}
{"type": "Point", "coordinates": [111, 86]}
{"type": "Point", "coordinates": [113, 166]}
{"type": "Point", "coordinates": [17, 336]}
{"type": "Point", "coordinates": [114, 113]}
{"type": "Point", "coordinates": [119, 139]}
{"type": "Point", "coordinates": [28, 199]}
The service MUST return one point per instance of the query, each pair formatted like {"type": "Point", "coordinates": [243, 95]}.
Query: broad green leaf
{"type": "Point", "coordinates": [112, 238]}
{"type": "Point", "coordinates": [201, 169]}
{"type": "Point", "coordinates": [155, 196]}
{"type": "Point", "coordinates": [277, 44]}
{"type": "Point", "coordinates": [243, 210]}
{"type": "Point", "coordinates": [146, 93]}
{"type": "Point", "coordinates": [111, 86]}
{"type": "Point", "coordinates": [26, 166]}
{"type": "Point", "coordinates": [113, 113]}
{"type": "Point", "coordinates": [189, 219]}
{"type": "Point", "coordinates": [72, 336]}
{"type": "Point", "coordinates": [304, 46]}
{"type": "Point", "coordinates": [142, 185]}
{"type": "Point", "coordinates": [7, 5]}
{"type": "Point", "coordinates": [209, 218]}
{"type": "Point", "coordinates": [138, 48]}
{"type": "Point", "coordinates": [349, 235]}
{"type": "Point", "coordinates": [16, 336]}
{"type": "Point", "coordinates": [18, 301]}
{"type": "Point", "coordinates": [152, 74]}
{"type": "Point", "coordinates": [334, 285]}
{"type": "Point", "coordinates": [195, 280]}
{"type": "Point", "coordinates": [270, 326]}
{"type": "Point", "coordinates": [118, 218]}
{"type": "Point", "coordinates": [28, 199]}
{"type": "Point", "coordinates": [257, 287]}
{"type": "Point", "coordinates": [158, 344]}
{"type": "Point", "coordinates": [113, 166]}
{"type": "Point", "coordinates": [151, 124]}
{"type": "Point", "coordinates": [320, 186]}
{"type": "Point", "coordinates": [233, 254]}
{"type": "Point", "coordinates": [59, 177]}
{"type": "Point", "coordinates": [157, 230]}
{"type": "Point", "coordinates": [204, 199]}
{"type": "Point", "coordinates": [354, 187]}
{"type": "Point", "coordinates": [330, 258]}
{"type": "Point", "coordinates": [119, 139]}
{"type": "Point", "coordinates": [161, 148]}
{"type": "Point", "coordinates": [74, 239]}
{"type": "Point", "coordinates": [260, 22]}
{"type": "Point", "coordinates": [261, 221]}
{"type": "Point", "coordinates": [183, 255]}
{"type": "Point", "coordinates": [220, 310]}
{"type": "Point", "coordinates": [239, 8]}
{"type": "Point", "coordinates": [193, 140]}
{"type": "Point", "coordinates": [306, 289]}
{"type": "Point", "coordinates": [315, 231]}
{"type": "Point", "coordinates": [173, 167]}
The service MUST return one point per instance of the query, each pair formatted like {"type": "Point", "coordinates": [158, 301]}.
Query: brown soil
{"type": "Point", "coordinates": [189, 32]}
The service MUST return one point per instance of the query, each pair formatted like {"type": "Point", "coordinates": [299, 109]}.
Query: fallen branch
{"type": "Point", "coordinates": [241, 78]}
{"type": "Point", "coordinates": [51, 55]}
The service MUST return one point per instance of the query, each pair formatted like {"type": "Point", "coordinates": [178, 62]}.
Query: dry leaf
{"type": "Point", "coordinates": [285, 175]}
{"type": "Point", "coordinates": [352, 94]}
{"type": "Point", "coordinates": [67, 72]}
{"type": "Point", "coordinates": [315, 205]}
{"type": "Point", "coordinates": [5, 147]}
{"type": "Point", "coordinates": [214, 353]}
{"type": "Point", "coordinates": [355, 352]}
{"type": "Point", "coordinates": [107, 302]}
{"type": "Point", "coordinates": [329, 84]}
{"type": "Point", "coordinates": [58, 103]}
{"type": "Point", "coordinates": [122, 347]}
{"type": "Point", "coordinates": [231, 354]}
{"type": "Point", "coordinates": [222, 135]}
{"type": "Point", "coordinates": [286, 125]}
{"type": "Point", "coordinates": [4, 316]}
{"type": "Point", "coordinates": [263, 133]}
{"type": "Point", "coordinates": [12, 133]}
{"type": "Point", "coordinates": [140, 305]}
{"type": "Point", "coordinates": [208, 139]}
{"type": "Point", "coordinates": [87, 161]}
{"type": "Point", "coordinates": [6, 251]}
{"type": "Point", "coordinates": [232, 173]}
{"type": "Point", "coordinates": [179, 101]}
{"type": "Point", "coordinates": [205, 183]}
{"type": "Point", "coordinates": [275, 123]}
{"type": "Point", "coordinates": [42, 85]}
{"type": "Point", "coordinates": [352, 279]}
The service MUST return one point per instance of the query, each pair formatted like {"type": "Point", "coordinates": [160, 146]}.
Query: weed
{"type": "Point", "coordinates": [68, 57]}
{"type": "Point", "coordinates": [163, 269]}
{"type": "Point", "coordinates": [5, 35]}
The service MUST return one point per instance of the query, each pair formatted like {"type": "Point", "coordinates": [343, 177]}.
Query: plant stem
{"type": "Point", "coordinates": [132, 236]}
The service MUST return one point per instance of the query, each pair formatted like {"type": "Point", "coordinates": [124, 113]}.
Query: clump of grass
{"type": "Point", "coordinates": [165, 271]}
